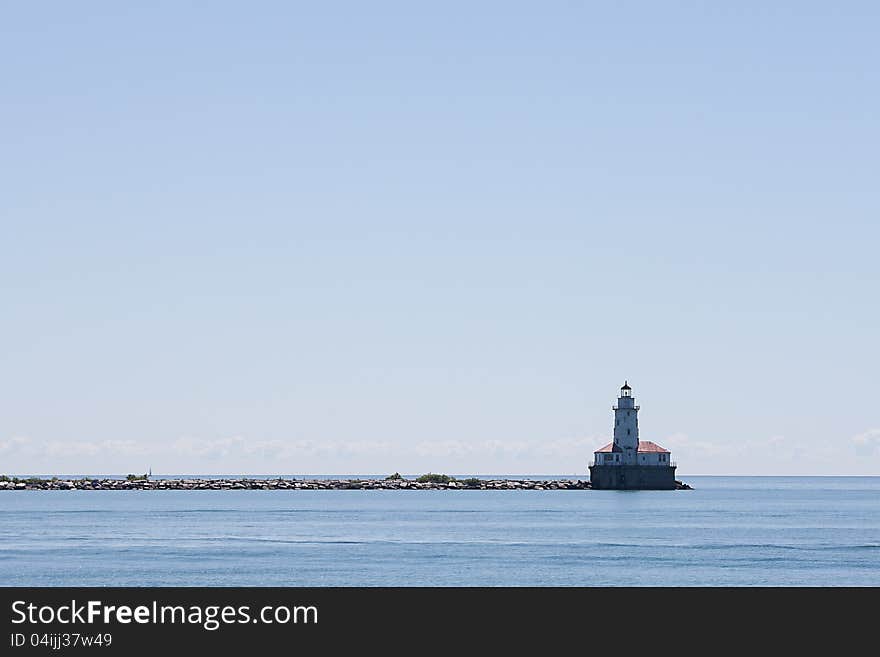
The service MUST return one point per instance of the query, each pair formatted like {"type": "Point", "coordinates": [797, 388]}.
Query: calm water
{"type": "Point", "coordinates": [729, 531]}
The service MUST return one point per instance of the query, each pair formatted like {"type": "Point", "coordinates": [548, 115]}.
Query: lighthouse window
{"type": "Point", "coordinates": [627, 432]}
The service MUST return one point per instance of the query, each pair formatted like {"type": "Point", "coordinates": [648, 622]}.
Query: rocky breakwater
{"type": "Point", "coordinates": [288, 484]}
{"type": "Point", "coordinates": [293, 484]}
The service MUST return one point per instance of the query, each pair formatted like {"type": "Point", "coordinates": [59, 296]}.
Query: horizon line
{"type": "Point", "coordinates": [373, 475]}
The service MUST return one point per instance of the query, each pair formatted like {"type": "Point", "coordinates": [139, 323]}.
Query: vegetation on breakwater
{"type": "Point", "coordinates": [432, 478]}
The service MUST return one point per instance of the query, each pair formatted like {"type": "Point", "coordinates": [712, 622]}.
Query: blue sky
{"type": "Point", "coordinates": [368, 237]}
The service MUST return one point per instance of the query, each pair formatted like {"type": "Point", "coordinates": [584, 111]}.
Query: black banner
{"type": "Point", "coordinates": [103, 621]}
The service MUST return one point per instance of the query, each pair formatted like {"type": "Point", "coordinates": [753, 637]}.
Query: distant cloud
{"type": "Point", "coordinates": [14, 444]}
{"type": "Point", "coordinates": [445, 448]}
{"type": "Point", "coordinates": [225, 447]}
{"type": "Point", "coordinates": [239, 453]}
{"type": "Point", "coordinates": [676, 440]}
{"type": "Point", "coordinates": [235, 446]}
{"type": "Point", "coordinates": [869, 441]}
{"type": "Point", "coordinates": [566, 447]}
{"type": "Point", "coordinates": [88, 448]}
{"type": "Point", "coordinates": [69, 449]}
{"type": "Point", "coordinates": [680, 443]}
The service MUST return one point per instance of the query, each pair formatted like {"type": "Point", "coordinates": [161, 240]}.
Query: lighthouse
{"type": "Point", "coordinates": [627, 462]}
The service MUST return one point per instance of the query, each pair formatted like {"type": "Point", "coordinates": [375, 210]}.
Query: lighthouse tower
{"type": "Point", "coordinates": [626, 426]}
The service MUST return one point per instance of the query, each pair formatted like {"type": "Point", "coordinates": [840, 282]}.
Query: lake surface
{"type": "Point", "coordinates": [803, 531]}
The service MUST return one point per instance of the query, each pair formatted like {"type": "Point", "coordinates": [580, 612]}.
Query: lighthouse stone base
{"type": "Point", "coordinates": [632, 477]}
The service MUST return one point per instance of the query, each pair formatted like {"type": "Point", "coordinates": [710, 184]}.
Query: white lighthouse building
{"type": "Point", "coordinates": [628, 462]}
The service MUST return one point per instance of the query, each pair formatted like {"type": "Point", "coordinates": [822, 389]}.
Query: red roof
{"type": "Point", "coordinates": [648, 446]}
{"type": "Point", "coordinates": [644, 446]}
